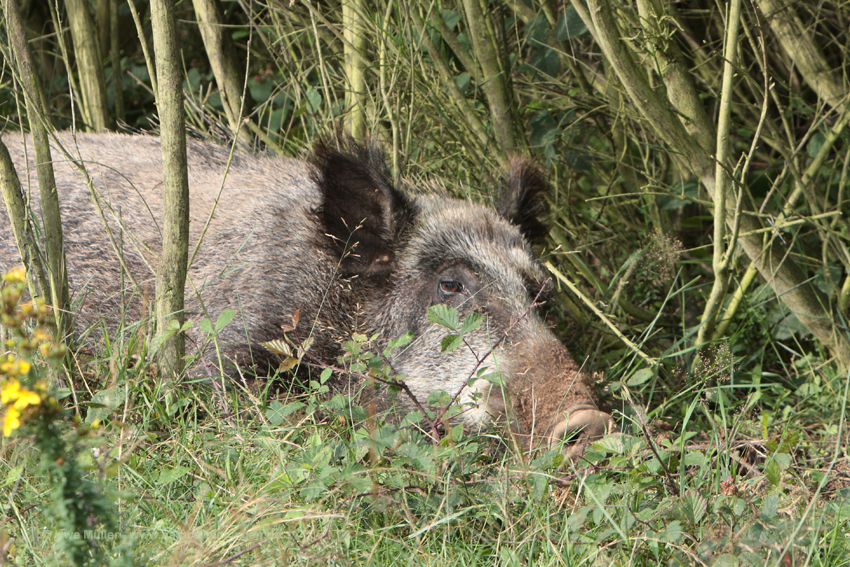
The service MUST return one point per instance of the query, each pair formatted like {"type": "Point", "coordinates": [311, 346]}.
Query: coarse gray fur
{"type": "Point", "coordinates": [332, 238]}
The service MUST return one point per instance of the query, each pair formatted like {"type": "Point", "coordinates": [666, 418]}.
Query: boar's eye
{"type": "Point", "coordinates": [451, 287]}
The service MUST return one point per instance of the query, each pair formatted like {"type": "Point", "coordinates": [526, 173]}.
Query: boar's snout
{"type": "Point", "coordinates": [552, 398]}
{"type": "Point", "coordinates": [583, 424]}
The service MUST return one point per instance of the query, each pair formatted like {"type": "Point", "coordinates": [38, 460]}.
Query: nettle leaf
{"type": "Point", "coordinates": [773, 472]}
{"type": "Point", "coordinates": [450, 343]}
{"type": "Point", "coordinates": [770, 507]}
{"type": "Point", "coordinates": [694, 506]}
{"type": "Point", "coordinates": [444, 316]}
{"type": "Point", "coordinates": [472, 322]}
{"type": "Point", "coordinates": [673, 532]}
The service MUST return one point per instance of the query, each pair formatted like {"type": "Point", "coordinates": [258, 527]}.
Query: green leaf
{"type": "Point", "coordinates": [450, 343]}
{"type": "Point", "coordinates": [411, 418]}
{"type": "Point", "coordinates": [444, 316]}
{"type": "Point", "coordinates": [313, 97]}
{"type": "Point", "coordinates": [726, 560]}
{"type": "Point", "coordinates": [570, 25]}
{"type": "Point", "coordinates": [472, 322]}
{"type": "Point", "coordinates": [694, 459]}
{"type": "Point", "coordinates": [610, 444]}
{"type": "Point", "coordinates": [314, 489]}
{"type": "Point", "coordinates": [495, 378]}
{"type": "Point", "coordinates": [694, 506]}
{"type": "Point", "coordinates": [326, 374]}
{"type": "Point", "coordinates": [537, 30]}
{"type": "Point", "coordinates": [277, 411]}
{"type": "Point", "coordinates": [439, 398]}
{"type": "Point", "coordinates": [770, 507]}
{"type": "Point", "coordinates": [403, 340]}
{"type": "Point", "coordinates": [463, 81]}
{"type": "Point", "coordinates": [169, 475]}
{"type": "Point", "coordinates": [224, 318]}
{"type": "Point", "coordinates": [451, 18]}
{"type": "Point", "coordinates": [206, 326]}
{"type": "Point", "coordinates": [544, 129]}
{"type": "Point", "coordinates": [773, 472]}
{"type": "Point", "coordinates": [815, 144]}
{"type": "Point", "coordinates": [13, 475]}
{"type": "Point", "coordinates": [640, 377]}
{"type": "Point", "coordinates": [673, 532]}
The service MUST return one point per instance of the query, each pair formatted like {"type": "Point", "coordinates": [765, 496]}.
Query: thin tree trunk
{"type": "Point", "coordinates": [171, 271]}
{"type": "Point", "coordinates": [13, 196]}
{"type": "Point", "coordinates": [495, 85]}
{"type": "Point", "coordinates": [92, 81]}
{"type": "Point", "coordinates": [115, 61]}
{"type": "Point", "coordinates": [800, 45]}
{"type": "Point", "coordinates": [57, 271]}
{"type": "Point", "coordinates": [355, 44]}
{"type": "Point", "coordinates": [228, 73]}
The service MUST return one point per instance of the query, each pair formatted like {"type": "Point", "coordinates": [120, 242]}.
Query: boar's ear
{"type": "Point", "coordinates": [524, 198]}
{"type": "Point", "coordinates": [359, 205]}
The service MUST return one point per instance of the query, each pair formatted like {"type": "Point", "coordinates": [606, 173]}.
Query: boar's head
{"type": "Point", "coordinates": [410, 250]}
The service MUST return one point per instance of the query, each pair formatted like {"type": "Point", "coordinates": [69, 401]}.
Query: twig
{"type": "Point", "coordinates": [648, 359]}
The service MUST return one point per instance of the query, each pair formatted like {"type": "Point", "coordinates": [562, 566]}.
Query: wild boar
{"type": "Point", "coordinates": [332, 238]}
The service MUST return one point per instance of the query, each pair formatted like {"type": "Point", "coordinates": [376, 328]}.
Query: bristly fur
{"type": "Point", "coordinates": [524, 198]}
{"type": "Point", "coordinates": [356, 187]}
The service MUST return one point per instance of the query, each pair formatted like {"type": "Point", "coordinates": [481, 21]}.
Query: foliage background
{"type": "Point", "coordinates": [735, 440]}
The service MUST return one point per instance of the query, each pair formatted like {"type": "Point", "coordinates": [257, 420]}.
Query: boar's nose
{"type": "Point", "coordinates": [584, 424]}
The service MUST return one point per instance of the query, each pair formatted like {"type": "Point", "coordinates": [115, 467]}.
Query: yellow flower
{"type": "Point", "coordinates": [10, 391]}
{"type": "Point", "coordinates": [16, 400]}
{"type": "Point", "coordinates": [14, 366]}
{"type": "Point", "coordinates": [26, 398]}
{"type": "Point", "coordinates": [16, 275]}
{"type": "Point", "coordinates": [11, 421]}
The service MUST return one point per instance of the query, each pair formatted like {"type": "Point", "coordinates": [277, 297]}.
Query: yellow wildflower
{"type": "Point", "coordinates": [16, 400]}
{"type": "Point", "coordinates": [16, 275]}
{"type": "Point", "coordinates": [26, 398]}
{"type": "Point", "coordinates": [11, 421]}
{"type": "Point", "coordinates": [14, 366]}
{"type": "Point", "coordinates": [10, 391]}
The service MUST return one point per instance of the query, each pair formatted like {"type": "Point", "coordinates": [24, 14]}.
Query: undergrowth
{"type": "Point", "coordinates": [713, 476]}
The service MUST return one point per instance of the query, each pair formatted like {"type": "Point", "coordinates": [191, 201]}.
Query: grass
{"type": "Point", "coordinates": [246, 478]}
